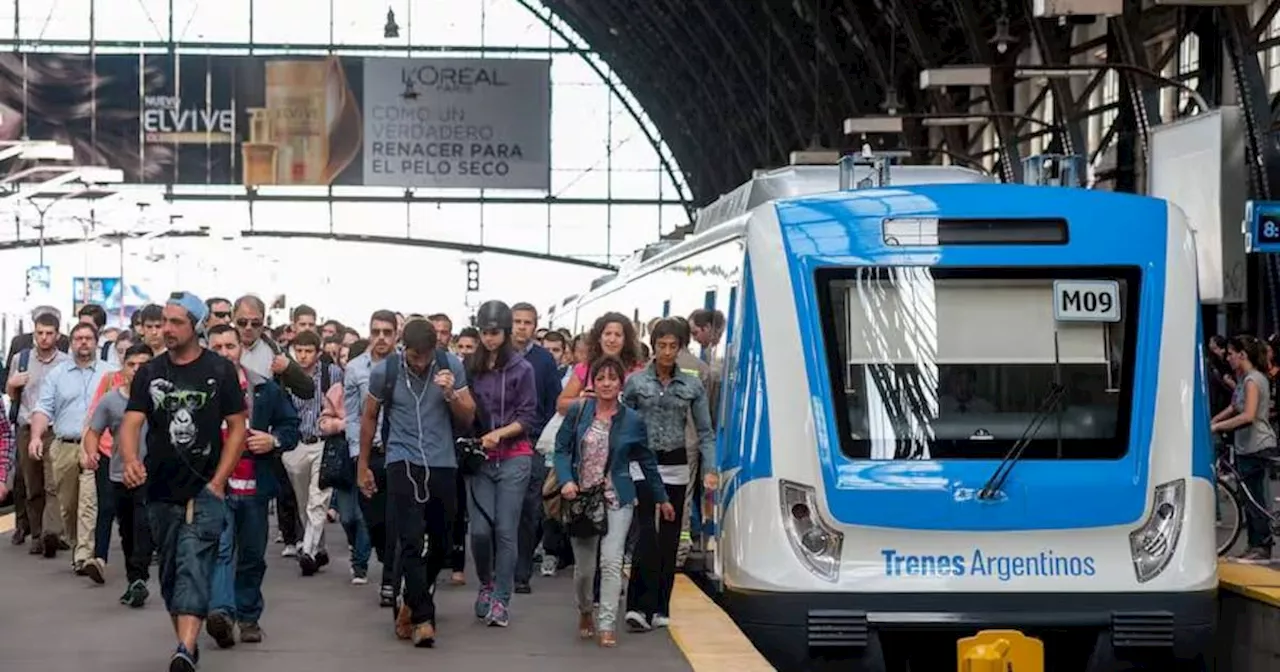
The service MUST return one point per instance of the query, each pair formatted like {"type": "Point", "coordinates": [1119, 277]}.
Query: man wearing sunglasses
{"type": "Point", "coordinates": [219, 312]}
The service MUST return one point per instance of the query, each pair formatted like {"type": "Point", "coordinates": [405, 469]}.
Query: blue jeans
{"type": "Point", "coordinates": [347, 502]}
{"type": "Point", "coordinates": [242, 560]}
{"type": "Point", "coordinates": [186, 538]}
{"type": "Point", "coordinates": [497, 495]}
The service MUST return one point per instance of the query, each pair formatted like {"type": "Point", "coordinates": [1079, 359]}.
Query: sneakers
{"type": "Point", "coordinates": [523, 588]}
{"type": "Point", "coordinates": [483, 600]}
{"type": "Point", "coordinates": [497, 616]}
{"type": "Point", "coordinates": [290, 551]}
{"type": "Point", "coordinates": [386, 597]}
{"type": "Point", "coordinates": [637, 622]}
{"type": "Point", "coordinates": [359, 576]}
{"type": "Point", "coordinates": [135, 595]}
{"type": "Point", "coordinates": [250, 633]}
{"type": "Point", "coordinates": [182, 660]}
{"type": "Point", "coordinates": [221, 628]}
{"type": "Point", "coordinates": [549, 565]}
{"type": "Point", "coordinates": [660, 621]}
{"type": "Point", "coordinates": [322, 559]}
{"type": "Point", "coordinates": [308, 564]}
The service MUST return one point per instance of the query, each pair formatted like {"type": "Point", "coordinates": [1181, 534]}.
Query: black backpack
{"type": "Point", "coordinates": [24, 360]}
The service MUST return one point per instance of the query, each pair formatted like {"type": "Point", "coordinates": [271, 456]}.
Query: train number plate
{"type": "Point", "coordinates": [1086, 300]}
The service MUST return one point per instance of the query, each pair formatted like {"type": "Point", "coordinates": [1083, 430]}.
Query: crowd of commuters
{"type": "Point", "coordinates": [532, 450]}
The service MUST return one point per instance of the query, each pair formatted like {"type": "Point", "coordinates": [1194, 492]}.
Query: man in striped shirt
{"type": "Point", "coordinates": [317, 419]}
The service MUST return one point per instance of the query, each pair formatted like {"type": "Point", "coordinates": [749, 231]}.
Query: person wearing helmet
{"type": "Point", "coordinates": [502, 382]}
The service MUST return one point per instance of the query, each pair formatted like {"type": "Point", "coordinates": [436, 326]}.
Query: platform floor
{"type": "Point", "coordinates": [51, 619]}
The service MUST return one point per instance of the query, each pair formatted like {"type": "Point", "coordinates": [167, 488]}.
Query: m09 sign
{"type": "Point", "coordinates": [1086, 300]}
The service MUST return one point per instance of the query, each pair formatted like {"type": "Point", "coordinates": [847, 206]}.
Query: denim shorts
{"type": "Point", "coordinates": [186, 539]}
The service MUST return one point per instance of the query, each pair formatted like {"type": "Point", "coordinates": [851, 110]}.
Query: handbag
{"type": "Point", "coordinates": [552, 502]}
{"type": "Point", "coordinates": [587, 515]}
{"type": "Point", "coordinates": [337, 469]}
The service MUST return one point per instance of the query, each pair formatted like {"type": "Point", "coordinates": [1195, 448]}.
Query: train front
{"type": "Point", "coordinates": [969, 407]}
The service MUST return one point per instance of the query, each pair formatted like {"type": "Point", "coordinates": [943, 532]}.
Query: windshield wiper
{"type": "Point", "coordinates": [993, 484]}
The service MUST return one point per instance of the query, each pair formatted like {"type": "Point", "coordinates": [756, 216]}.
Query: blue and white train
{"type": "Point", "coordinates": [950, 405]}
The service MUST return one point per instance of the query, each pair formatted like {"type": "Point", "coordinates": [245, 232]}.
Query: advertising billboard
{"type": "Point", "coordinates": [289, 120]}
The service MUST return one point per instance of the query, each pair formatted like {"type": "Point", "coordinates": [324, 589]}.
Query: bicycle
{"type": "Point", "coordinates": [1231, 497]}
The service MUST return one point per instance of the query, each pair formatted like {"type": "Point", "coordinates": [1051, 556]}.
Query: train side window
{"type": "Point", "coordinates": [709, 299]}
{"type": "Point", "coordinates": [666, 308]}
{"type": "Point", "coordinates": [727, 380]}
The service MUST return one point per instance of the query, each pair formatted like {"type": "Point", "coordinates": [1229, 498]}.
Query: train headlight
{"type": "Point", "coordinates": [1153, 544]}
{"type": "Point", "coordinates": [814, 542]}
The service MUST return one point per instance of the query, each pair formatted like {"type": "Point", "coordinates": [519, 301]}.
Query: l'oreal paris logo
{"type": "Point", "coordinates": [450, 78]}
{"type": "Point", "coordinates": [1044, 564]}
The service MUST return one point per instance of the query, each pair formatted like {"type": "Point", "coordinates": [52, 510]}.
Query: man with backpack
{"type": "Point", "coordinates": [28, 368]}
{"type": "Point", "coordinates": [421, 393]}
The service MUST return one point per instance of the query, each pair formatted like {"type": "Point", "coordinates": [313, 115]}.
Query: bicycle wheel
{"type": "Point", "coordinates": [1229, 516]}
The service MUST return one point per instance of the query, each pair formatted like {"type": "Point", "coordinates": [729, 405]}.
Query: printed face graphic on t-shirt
{"type": "Point", "coordinates": [181, 405]}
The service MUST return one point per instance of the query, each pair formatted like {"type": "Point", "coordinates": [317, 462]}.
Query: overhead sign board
{"type": "Point", "coordinates": [1262, 226]}
{"type": "Point", "coordinates": [296, 120]}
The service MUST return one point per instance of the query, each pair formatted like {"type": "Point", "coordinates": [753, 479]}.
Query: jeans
{"type": "Point", "coordinates": [531, 523]}
{"type": "Point", "coordinates": [610, 561]}
{"type": "Point", "coordinates": [347, 502]}
{"type": "Point", "coordinates": [242, 559]}
{"type": "Point", "coordinates": [186, 537]}
{"type": "Point", "coordinates": [458, 535]}
{"type": "Point", "coordinates": [653, 564]}
{"type": "Point", "coordinates": [497, 497]}
{"type": "Point", "coordinates": [1253, 476]}
{"type": "Point", "coordinates": [416, 522]}
{"type": "Point", "coordinates": [130, 508]}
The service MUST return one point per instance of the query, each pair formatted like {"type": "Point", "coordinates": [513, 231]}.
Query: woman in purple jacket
{"type": "Point", "coordinates": [503, 385]}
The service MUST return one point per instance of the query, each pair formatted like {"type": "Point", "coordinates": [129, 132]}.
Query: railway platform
{"type": "Point", "coordinates": [53, 620]}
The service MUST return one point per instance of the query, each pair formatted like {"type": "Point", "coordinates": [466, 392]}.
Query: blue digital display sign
{"type": "Point", "coordinates": [1262, 226]}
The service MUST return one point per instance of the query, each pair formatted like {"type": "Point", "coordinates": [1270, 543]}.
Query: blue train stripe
{"type": "Point", "coordinates": [744, 447]}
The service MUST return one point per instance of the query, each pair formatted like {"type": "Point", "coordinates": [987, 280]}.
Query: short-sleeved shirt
{"type": "Point", "coordinates": [107, 416]}
{"type": "Point", "coordinates": [417, 402]}
{"type": "Point", "coordinates": [31, 391]}
{"type": "Point", "coordinates": [185, 406]}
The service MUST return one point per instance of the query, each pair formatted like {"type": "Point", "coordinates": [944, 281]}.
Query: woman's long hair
{"type": "Point", "coordinates": [477, 363]}
{"type": "Point", "coordinates": [630, 343]}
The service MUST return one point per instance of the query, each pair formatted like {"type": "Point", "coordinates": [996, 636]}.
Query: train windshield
{"type": "Point", "coordinates": [950, 363]}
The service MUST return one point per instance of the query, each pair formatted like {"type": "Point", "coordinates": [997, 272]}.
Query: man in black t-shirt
{"type": "Point", "coordinates": [191, 401]}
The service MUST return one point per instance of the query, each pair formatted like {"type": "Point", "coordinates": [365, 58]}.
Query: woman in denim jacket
{"type": "Point", "coordinates": [595, 446]}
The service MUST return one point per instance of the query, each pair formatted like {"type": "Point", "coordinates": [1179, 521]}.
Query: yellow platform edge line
{"type": "Point", "coordinates": [706, 636]}
{"type": "Point", "coordinates": [1252, 581]}
{"type": "Point", "coordinates": [6, 523]}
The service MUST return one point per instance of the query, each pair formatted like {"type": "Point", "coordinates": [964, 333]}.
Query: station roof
{"type": "Point", "coordinates": [735, 85]}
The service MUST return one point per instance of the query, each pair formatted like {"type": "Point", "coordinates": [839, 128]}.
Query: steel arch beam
{"type": "Point", "coordinates": [1050, 42]}
{"type": "Point", "coordinates": [649, 55]}
{"type": "Point", "coordinates": [743, 117]}
{"type": "Point", "coordinates": [910, 21]}
{"type": "Point", "coordinates": [765, 66]}
{"type": "Point", "coordinates": [773, 141]}
{"type": "Point", "coordinates": [998, 94]}
{"type": "Point", "coordinates": [340, 238]}
{"type": "Point", "coordinates": [780, 29]}
{"type": "Point", "coordinates": [549, 21]}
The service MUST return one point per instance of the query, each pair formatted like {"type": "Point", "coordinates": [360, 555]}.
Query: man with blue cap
{"type": "Point", "coordinates": [194, 410]}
